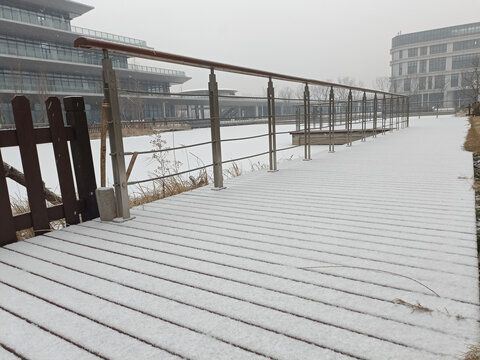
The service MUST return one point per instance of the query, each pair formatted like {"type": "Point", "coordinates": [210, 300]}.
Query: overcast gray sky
{"type": "Point", "coordinates": [324, 40]}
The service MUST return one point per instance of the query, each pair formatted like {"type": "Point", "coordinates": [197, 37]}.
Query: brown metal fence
{"type": "Point", "coordinates": [73, 209]}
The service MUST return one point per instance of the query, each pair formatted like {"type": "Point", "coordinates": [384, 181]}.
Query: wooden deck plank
{"type": "Point", "coordinates": [310, 262]}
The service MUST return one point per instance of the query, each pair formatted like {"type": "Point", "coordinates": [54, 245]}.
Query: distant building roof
{"type": "Point", "coordinates": [68, 7]}
{"type": "Point", "coordinates": [436, 34]}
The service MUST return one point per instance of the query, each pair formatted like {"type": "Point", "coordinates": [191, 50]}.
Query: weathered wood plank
{"type": "Point", "coordinates": [82, 156]}
{"type": "Point", "coordinates": [7, 225]}
{"type": "Point", "coordinates": [62, 159]}
{"type": "Point", "coordinates": [31, 166]}
{"type": "Point", "coordinates": [42, 136]}
{"type": "Point", "coordinates": [24, 221]}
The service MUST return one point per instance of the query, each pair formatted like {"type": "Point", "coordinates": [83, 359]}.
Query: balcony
{"type": "Point", "coordinates": [35, 18]}
{"type": "Point", "coordinates": [155, 70]}
{"type": "Point", "coordinates": [110, 37]}
{"type": "Point", "coordinates": [60, 23]}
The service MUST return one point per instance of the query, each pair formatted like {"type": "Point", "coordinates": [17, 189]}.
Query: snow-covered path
{"type": "Point", "coordinates": [367, 253]}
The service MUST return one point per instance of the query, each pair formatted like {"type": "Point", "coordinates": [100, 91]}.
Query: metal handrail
{"type": "Point", "coordinates": [167, 149]}
{"type": "Point", "coordinates": [89, 43]}
{"type": "Point", "coordinates": [168, 176]}
{"type": "Point", "coordinates": [399, 103]}
{"type": "Point", "coordinates": [244, 138]}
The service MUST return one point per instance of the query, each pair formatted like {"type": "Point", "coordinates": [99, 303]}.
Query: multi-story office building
{"type": "Point", "coordinates": [437, 68]}
{"type": "Point", "coordinates": [37, 58]}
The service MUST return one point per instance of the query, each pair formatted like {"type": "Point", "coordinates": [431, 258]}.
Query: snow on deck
{"type": "Point", "coordinates": [367, 253]}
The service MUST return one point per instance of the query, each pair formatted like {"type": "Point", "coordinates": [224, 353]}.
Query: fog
{"type": "Point", "coordinates": [308, 38]}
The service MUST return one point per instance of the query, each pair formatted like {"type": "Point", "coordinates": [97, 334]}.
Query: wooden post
{"type": "Point", "coordinates": [82, 156]}
{"type": "Point", "coordinates": [31, 168]}
{"type": "Point", "coordinates": [130, 165]}
{"type": "Point", "coordinates": [6, 217]}
{"type": "Point", "coordinates": [62, 159]}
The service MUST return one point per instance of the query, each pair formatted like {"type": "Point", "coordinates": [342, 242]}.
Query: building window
{"type": "Point", "coordinates": [438, 49]}
{"type": "Point", "coordinates": [400, 69]}
{"type": "Point", "coordinates": [454, 80]}
{"type": "Point", "coordinates": [406, 84]}
{"type": "Point", "coordinates": [396, 85]}
{"type": "Point", "coordinates": [412, 67]}
{"type": "Point", "coordinates": [423, 50]}
{"type": "Point", "coordinates": [438, 64]}
{"type": "Point", "coordinates": [423, 66]}
{"type": "Point", "coordinates": [465, 61]}
{"type": "Point", "coordinates": [400, 54]}
{"type": "Point", "coordinates": [430, 82]}
{"type": "Point", "coordinates": [439, 81]}
{"type": "Point", "coordinates": [422, 83]}
{"type": "Point", "coordinates": [413, 52]}
{"type": "Point", "coordinates": [466, 45]}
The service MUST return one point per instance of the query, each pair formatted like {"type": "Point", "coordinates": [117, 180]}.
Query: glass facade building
{"type": "Point", "coordinates": [37, 58]}
{"type": "Point", "coordinates": [433, 67]}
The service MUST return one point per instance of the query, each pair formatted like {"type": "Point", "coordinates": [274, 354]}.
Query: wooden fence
{"type": "Point", "coordinates": [26, 137]}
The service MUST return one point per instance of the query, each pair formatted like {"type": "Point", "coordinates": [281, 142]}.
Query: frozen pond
{"type": "Point", "coordinates": [188, 158]}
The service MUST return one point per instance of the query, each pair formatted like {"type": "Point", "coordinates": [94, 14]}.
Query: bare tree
{"type": "Point", "coordinates": [320, 93]}
{"type": "Point", "coordinates": [470, 84]}
{"type": "Point", "coordinates": [341, 94]}
{"type": "Point", "coordinates": [383, 83]}
{"type": "Point", "coordinates": [288, 94]}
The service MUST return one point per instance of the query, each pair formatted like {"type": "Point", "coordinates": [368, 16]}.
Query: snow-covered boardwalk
{"type": "Point", "coordinates": [367, 253]}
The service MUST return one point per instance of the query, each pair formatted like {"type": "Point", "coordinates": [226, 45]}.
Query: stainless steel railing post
{"type": "Point", "coordinates": [331, 121]}
{"type": "Point", "coordinates": [215, 131]}
{"type": "Point", "coordinates": [397, 112]}
{"type": "Point", "coordinates": [364, 115]}
{"type": "Point", "coordinates": [384, 113]}
{"type": "Point", "coordinates": [375, 113]}
{"type": "Point", "coordinates": [408, 111]}
{"type": "Point", "coordinates": [306, 117]}
{"type": "Point", "coordinates": [272, 135]}
{"type": "Point", "coordinates": [349, 118]}
{"type": "Point", "coordinates": [391, 114]}
{"type": "Point", "coordinates": [115, 138]}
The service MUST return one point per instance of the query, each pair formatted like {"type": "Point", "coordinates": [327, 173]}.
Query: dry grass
{"type": "Point", "coordinates": [414, 307]}
{"type": "Point", "coordinates": [176, 185]}
{"type": "Point", "coordinates": [21, 206]}
{"type": "Point", "coordinates": [233, 171]}
{"type": "Point", "coordinates": [167, 187]}
{"type": "Point", "coordinates": [161, 189]}
{"type": "Point", "coordinates": [472, 142]}
{"type": "Point", "coordinates": [473, 353]}
{"type": "Point", "coordinates": [127, 132]}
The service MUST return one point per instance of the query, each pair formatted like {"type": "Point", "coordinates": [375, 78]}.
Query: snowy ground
{"type": "Point", "coordinates": [367, 253]}
{"type": "Point", "coordinates": [189, 158]}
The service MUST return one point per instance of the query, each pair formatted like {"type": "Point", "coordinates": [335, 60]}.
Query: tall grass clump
{"type": "Point", "coordinates": [472, 141]}
{"type": "Point", "coordinates": [473, 353]}
{"type": "Point", "coordinates": [20, 206]}
{"type": "Point", "coordinates": [167, 167]}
